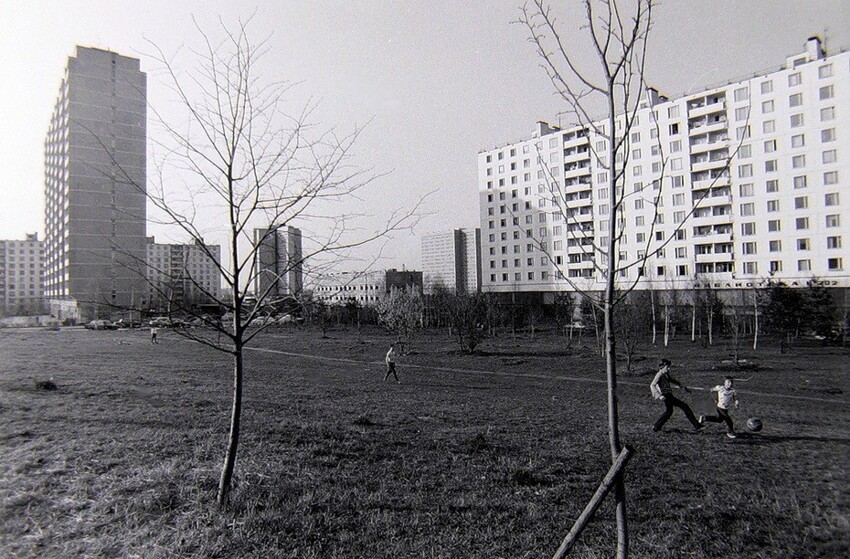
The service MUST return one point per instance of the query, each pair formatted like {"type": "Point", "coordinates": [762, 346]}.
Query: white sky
{"type": "Point", "coordinates": [440, 80]}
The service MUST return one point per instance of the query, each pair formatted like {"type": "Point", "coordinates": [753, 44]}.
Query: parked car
{"type": "Point", "coordinates": [101, 325]}
{"type": "Point", "coordinates": [161, 322]}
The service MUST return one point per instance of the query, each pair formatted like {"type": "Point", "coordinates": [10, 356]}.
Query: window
{"type": "Point", "coordinates": [794, 79]}
{"type": "Point", "coordinates": [768, 126]}
{"type": "Point", "coordinates": [751, 268]}
{"type": "Point", "coordinates": [803, 244]}
{"type": "Point", "coordinates": [637, 170]}
{"type": "Point", "coordinates": [745, 170]}
{"type": "Point", "coordinates": [798, 140]}
{"type": "Point", "coordinates": [681, 252]}
{"type": "Point", "coordinates": [748, 209]}
{"type": "Point", "coordinates": [833, 220]}
{"type": "Point", "coordinates": [827, 135]}
{"type": "Point", "coordinates": [804, 265]}
{"type": "Point", "coordinates": [674, 128]}
{"type": "Point", "coordinates": [795, 100]}
{"type": "Point", "coordinates": [825, 71]}
{"type": "Point", "coordinates": [826, 92]}
{"type": "Point", "coordinates": [773, 205]}
{"type": "Point", "coordinates": [748, 228]}
{"type": "Point", "coordinates": [827, 113]}
{"type": "Point", "coordinates": [745, 190]}
{"type": "Point", "coordinates": [676, 146]}
{"type": "Point", "coordinates": [639, 221]}
{"type": "Point", "coordinates": [774, 226]}
{"type": "Point", "coordinates": [798, 161]}
{"type": "Point", "coordinates": [767, 107]}
{"type": "Point", "coordinates": [834, 264]}
{"type": "Point", "coordinates": [742, 94]}
{"type": "Point", "coordinates": [770, 146]}
{"type": "Point", "coordinates": [741, 113]}
{"type": "Point", "coordinates": [801, 202]}
{"type": "Point", "coordinates": [775, 246]}
{"type": "Point", "coordinates": [797, 120]}
{"type": "Point", "coordinates": [639, 204]}
{"type": "Point", "coordinates": [775, 266]}
{"type": "Point", "coordinates": [830, 177]}
{"type": "Point", "coordinates": [802, 223]}
{"type": "Point", "coordinates": [635, 137]}
{"type": "Point", "coordinates": [676, 164]}
{"type": "Point", "coordinates": [770, 166]}
{"type": "Point", "coordinates": [830, 156]}
{"type": "Point", "coordinates": [833, 242]}
{"type": "Point", "coordinates": [800, 182]}
{"type": "Point", "coordinates": [678, 217]}
{"type": "Point", "coordinates": [830, 199]}
{"type": "Point", "coordinates": [748, 248]}
{"type": "Point", "coordinates": [745, 152]}
{"type": "Point", "coordinates": [767, 86]}
{"type": "Point", "coordinates": [743, 132]}
{"type": "Point", "coordinates": [682, 270]}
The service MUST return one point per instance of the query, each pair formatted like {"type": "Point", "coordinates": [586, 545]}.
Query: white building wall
{"type": "Point", "coordinates": [545, 203]}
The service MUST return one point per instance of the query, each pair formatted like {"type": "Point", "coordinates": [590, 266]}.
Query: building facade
{"type": "Point", "coordinates": [181, 274]}
{"type": "Point", "coordinates": [21, 286]}
{"type": "Point", "coordinates": [727, 187]}
{"type": "Point", "coordinates": [452, 259]}
{"type": "Point", "coordinates": [95, 172]}
{"type": "Point", "coordinates": [364, 288]}
{"type": "Point", "coordinates": [278, 263]}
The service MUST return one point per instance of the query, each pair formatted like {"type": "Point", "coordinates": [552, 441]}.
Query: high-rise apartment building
{"type": "Point", "coordinates": [278, 262]}
{"type": "Point", "coordinates": [185, 274]}
{"type": "Point", "coordinates": [452, 259]}
{"type": "Point", "coordinates": [95, 172]}
{"type": "Point", "coordinates": [730, 186]}
{"type": "Point", "coordinates": [21, 287]}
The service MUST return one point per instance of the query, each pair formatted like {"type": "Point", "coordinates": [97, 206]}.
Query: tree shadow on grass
{"type": "Point", "coordinates": [760, 439]}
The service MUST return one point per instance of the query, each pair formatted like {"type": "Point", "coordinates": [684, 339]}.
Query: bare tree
{"type": "Point", "coordinates": [604, 103]}
{"type": "Point", "coordinates": [400, 311]}
{"type": "Point", "coordinates": [240, 153]}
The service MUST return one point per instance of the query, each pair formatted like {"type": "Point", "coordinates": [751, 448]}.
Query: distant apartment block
{"type": "Point", "coordinates": [781, 210]}
{"type": "Point", "coordinates": [365, 289]}
{"type": "Point", "coordinates": [278, 262]}
{"type": "Point", "coordinates": [452, 259]}
{"type": "Point", "coordinates": [183, 274]}
{"type": "Point", "coordinates": [95, 172]}
{"type": "Point", "coordinates": [21, 287]}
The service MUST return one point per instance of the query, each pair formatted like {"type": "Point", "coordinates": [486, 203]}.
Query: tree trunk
{"type": "Point", "coordinates": [756, 322]}
{"type": "Point", "coordinates": [693, 322]}
{"type": "Point", "coordinates": [654, 318]}
{"type": "Point", "coordinates": [666, 325]}
{"type": "Point", "coordinates": [233, 440]}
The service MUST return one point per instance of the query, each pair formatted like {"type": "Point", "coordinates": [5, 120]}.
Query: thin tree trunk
{"type": "Point", "coordinates": [666, 325]}
{"type": "Point", "coordinates": [693, 322]}
{"type": "Point", "coordinates": [756, 322]}
{"type": "Point", "coordinates": [710, 326]}
{"type": "Point", "coordinates": [654, 318]}
{"type": "Point", "coordinates": [233, 439]}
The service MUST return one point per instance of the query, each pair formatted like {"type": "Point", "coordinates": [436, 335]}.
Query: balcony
{"type": "Point", "coordinates": [706, 127]}
{"type": "Point", "coordinates": [707, 109]}
{"type": "Point", "coordinates": [707, 165]}
{"type": "Point", "coordinates": [714, 257]}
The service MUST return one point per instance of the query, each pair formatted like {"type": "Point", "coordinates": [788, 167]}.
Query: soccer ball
{"type": "Point", "coordinates": [754, 424]}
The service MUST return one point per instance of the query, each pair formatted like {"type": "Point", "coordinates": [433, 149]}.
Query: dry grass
{"type": "Point", "coordinates": [490, 455]}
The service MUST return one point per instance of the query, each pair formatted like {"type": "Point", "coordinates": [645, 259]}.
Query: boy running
{"type": "Point", "coordinates": [661, 390]}
{"type": "Point", "coordinates": [724, 397]}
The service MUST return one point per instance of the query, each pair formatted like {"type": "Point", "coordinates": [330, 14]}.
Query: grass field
{"type": "Point", "coordinates": [489, 455]}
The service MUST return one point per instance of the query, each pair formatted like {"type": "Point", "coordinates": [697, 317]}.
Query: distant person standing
{"type": "Point", "coordinates": [661, 390]}
{"type": "Point", "coordinates": [390, 359]}
{"type": "Point", "coordinates": [154, 332]}
{"type": "Point", "coordinates": [724, 396]}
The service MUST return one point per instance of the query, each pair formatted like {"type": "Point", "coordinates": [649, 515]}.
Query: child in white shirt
{"type": "Point", "coordinates": [724, 396]}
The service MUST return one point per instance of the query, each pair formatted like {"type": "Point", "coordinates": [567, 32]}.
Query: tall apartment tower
{"type": "Point", "coordinates": [21, 287]}
{"type": "Point", "coordinates": [452, 259]}
{"type": "Point", "coordinates": [731, 187]}
{"type": "Point", "coordinates": [95, 172]}
{"type": "Point", "coordinates": [278, 262]}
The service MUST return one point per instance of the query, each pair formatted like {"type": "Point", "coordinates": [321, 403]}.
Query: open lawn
{"type": "Point", "coordinates": [488, 455]}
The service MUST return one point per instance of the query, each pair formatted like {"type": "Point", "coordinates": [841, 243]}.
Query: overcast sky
{"type": "Point", "coordinates": [439, 80]}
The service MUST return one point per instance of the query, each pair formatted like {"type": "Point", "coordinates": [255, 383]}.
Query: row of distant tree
{"type": "Point", "coordinates": [703, 314]}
